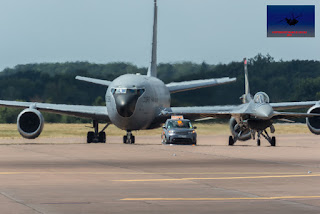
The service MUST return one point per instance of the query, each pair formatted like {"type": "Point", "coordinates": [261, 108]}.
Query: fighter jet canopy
{"type": "Point", "coordinates": [261, 97]}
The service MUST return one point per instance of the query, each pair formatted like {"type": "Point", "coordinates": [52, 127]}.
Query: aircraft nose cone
{"type": "Point", "coordinates": [126, 104]}
{"type": "Point", "coordinates": [264, 112]}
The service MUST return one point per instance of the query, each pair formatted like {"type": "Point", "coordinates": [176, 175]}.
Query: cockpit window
{"type": "Point", "coordinates": [133, 91]}
{"type": "Point", "coordinates": [261, 97]}
{"type": "Point", "coordinates": [121, 90]}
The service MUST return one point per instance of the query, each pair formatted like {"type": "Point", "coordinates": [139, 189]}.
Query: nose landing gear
{"type": "Point", "coordinates": [129, 138]}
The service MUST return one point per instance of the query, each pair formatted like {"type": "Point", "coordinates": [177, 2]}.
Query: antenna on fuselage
{"type": "Point", "coordinates": [152, 71]}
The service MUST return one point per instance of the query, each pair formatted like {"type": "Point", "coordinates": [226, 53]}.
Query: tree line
{"type": "Point", "coordinates": [295, 80]}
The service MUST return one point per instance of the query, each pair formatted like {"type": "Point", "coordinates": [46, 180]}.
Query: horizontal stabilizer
{"type": "Point", "coordinates": [294, 105]}
{"type": "Point", "coordinates": [290, 115]}
{"type": "Point", "coordinates": [286, 120]}
{"type": "Point", "coordinates": [175, 87]}
{"type": "Point", "coordinates": [95, 81]}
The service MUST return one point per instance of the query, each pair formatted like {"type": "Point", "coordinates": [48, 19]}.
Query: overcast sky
{"type": "Point", "coordinates": [102, 31]}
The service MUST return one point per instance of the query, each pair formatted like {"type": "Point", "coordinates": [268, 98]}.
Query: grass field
{"type": "Point", "coordinates": [70, 130]}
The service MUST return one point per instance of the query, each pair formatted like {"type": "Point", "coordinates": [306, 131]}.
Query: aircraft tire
{"type": "Point", "coordinates": [258, 142]}
{"type": "Point", "coordinates": [273, 141]}
{"type": "Point", "coordinates": [125, 139]}
{"type": "Point", "coordinates": [90, 137]}
{"type": "Point", "coordinates": [132, 139]}
{"type": "Point", "coordinates": [231, 141]}
{"type": "Point", "coordinates": [102, 137]}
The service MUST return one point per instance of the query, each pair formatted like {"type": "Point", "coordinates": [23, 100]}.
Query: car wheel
{"type": "Point", "coordinates": [164, 140]}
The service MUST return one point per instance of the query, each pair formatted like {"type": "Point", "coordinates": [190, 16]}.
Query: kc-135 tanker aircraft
{"type": "Point", "coordinates": [133, 102]}
{"type": "Point", "coordinates": [257, 114]}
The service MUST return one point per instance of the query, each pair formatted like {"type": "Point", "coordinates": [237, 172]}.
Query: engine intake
{"type": "Point", "coordinates": [30, 123]}
{"type": "Point", "coordinates": [236, 129]}
{"type": "Point", "coordinates": [314, 122]}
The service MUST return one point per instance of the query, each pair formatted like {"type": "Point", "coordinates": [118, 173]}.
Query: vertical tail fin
{"type": "Point", "coordinates": [246, 80]}
{"type": "Point", "coordinates": [152, 71]}
{"type": "Point", "coordinates": [247, 96]}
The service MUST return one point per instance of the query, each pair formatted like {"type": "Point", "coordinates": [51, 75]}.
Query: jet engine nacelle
{"type": "Point", "coordinates": [30, 123]}
{"type": "Point", "coordinates": [314, 122]}
{"type": "Point", "coordinates": [236, 129]}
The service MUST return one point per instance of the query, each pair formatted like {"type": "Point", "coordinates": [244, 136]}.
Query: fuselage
{"type": "Point", "coordinates": [134, 101]}
{"type": "Point", "coordinates": [261, 116]}
{"type": "Point", "coordinates": [262, 111]}
{"type": "Point", "coordinates": [292, 21]}
{"type": "Point", "coordinates": [259, 107]}
{"type": "Point", "coordinates": [257, 116]}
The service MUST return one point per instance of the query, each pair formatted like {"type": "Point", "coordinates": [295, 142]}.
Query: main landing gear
{"type": "Point", "coordinates": [129, 138]}
{"type": "Point", "coordinates": [264, 133]}
{"type": "Point", "coordinates": [231, 141]}
{"type": "Point", "coordinates": [96, 136]}
{"type": "Point", "coordinates": [271, 140]}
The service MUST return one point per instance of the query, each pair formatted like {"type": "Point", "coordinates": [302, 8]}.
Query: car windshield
{"type": "Point", "coordinates": [179, 124]}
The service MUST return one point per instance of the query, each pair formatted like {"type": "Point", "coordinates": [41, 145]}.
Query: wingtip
{"type": "Point", "coordinates": [78, 77]}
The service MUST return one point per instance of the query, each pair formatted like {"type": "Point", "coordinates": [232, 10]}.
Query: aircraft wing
{"type": "Point", "coordinates": [206, 111]}
{"type": "Point", "coordinates": [99, 113]}
{"type": "Point", "coordinates": [226, 112]}
{"type": "Point", "coordinates": [293, 105]}
{"type": "Point", "coordinates": [95, 81]}
{"type": "Point", "coordinates": [175, 87]}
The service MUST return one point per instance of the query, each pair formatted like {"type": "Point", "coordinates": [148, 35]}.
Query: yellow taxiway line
{"type": "Point", "coordinates": [220, 199]}
{"type": "Point", "coordinates": [222, 178]}
{"type": "Point", "coordinates": [154, 173]}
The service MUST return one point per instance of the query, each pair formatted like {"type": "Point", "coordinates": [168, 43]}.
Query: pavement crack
{"type": "Point", "coordinates": [298, 203]}
{"type": "Point", "coordinates": [20, 202]}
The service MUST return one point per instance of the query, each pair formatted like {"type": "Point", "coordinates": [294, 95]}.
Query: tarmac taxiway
{"type": "Point", "coordinates": [66, 175]}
